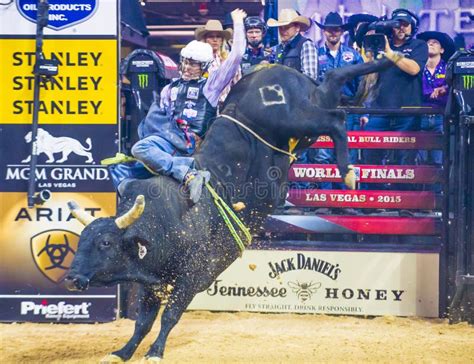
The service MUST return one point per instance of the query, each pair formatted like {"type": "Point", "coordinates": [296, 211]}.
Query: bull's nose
{"type": "Point", "coordinates": [76, 283]}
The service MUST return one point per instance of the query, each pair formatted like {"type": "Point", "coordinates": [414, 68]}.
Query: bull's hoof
{"type": "Point", "coordinates": [111, 358]}
{"type": "Point", "coordinates": [151, 359]}
{"type": "Point", "coordinates": [350, 178]}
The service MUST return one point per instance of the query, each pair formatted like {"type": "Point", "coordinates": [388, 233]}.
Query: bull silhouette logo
{"type": "Point", "coordinates": [50, 145]}
{"type": "Point", "coordinates": [53, 252]}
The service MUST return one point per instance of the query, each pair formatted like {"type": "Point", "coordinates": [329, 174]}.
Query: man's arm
{"type": "Point", "coordinates": [220, 78]}
{"type": "Point", "coordinates": [309, 60]}
{"type": "Point", "coordinates": [412, 65]}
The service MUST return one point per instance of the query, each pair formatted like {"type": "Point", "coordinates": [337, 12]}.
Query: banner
{"type": "Point", "coordinates": [366, 173]}
{"type": "Point", "coordinates": [348, 283]}
{"type": "Point", "coordinates": [96, 18]}
{"type": "Point", "coordinates": [85, 90]}
{"type": "Point", "coordinates": [37, 248]}
{"type": "Point", "coordinates": [364, 199]}
{"type": "Point", "coordinates": [78, 126]}
{"type": "Point", "coordinates": [386, 140]}
{"type": "Point", "coordinates": [68, 157]}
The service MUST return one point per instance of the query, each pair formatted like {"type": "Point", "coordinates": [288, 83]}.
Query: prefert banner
{"type": "Point", "coordinates": [349, 283]}
{"type": "Point", "coordinates": [85, 91]}
{"type": "Point", "coordinates": [37, 249]}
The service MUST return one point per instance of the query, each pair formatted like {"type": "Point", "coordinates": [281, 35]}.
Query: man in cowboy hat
{"type": "Point", "coordinates": [295, 51]}
{"type": "Point", "coordinates": [169, 131]}
{"type": "Point", "coordinates": [435, 89]}
{"type": "Point", "coordinates": [214, 34]}
{"type": "Point", "coordinates": [333, 54]}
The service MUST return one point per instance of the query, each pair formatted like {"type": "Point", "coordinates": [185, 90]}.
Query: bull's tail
{"type": "Point", "coordinates": [89, 143]}
{"type": "Point", "coordinates": [336, 78]}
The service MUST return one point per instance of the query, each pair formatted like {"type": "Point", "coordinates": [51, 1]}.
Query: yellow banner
{"type": "Point", "coordinates": [85, 91]}
{"type": "Point", "coordinates": [38, 245]}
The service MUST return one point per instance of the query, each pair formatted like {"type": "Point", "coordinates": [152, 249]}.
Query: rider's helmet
{"type": "Point", "coordinates": [252, 22]}
{"type": "Point", "coordinates": [199, 52]}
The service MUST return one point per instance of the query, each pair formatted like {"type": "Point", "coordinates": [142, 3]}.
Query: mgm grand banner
{"type": "Point", "coordinates": [78, 126]}
{"type": "Point", "coordinates": [344, 283]}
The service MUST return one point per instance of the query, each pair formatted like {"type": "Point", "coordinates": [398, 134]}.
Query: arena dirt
{"type": "Point", "coordinates": [205, 337]}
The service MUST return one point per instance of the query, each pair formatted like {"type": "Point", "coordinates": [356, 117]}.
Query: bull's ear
{"type": "Point", "coordinates": [135, 245]}
{"type": "Point", "coordinates": [133, 214]}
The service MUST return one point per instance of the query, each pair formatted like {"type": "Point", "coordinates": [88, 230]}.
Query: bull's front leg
{"type": "Point", "coordinates": [339, 136]}
{"type": "Point", "coordinates": [149, 305]}
{"type": "Point", "coordinates": [183, 293]}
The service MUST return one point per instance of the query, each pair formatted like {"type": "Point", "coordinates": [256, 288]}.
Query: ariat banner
{"type": "Point", "coordinates": [37, 249]}
{"type": "Point", "coordinates": [68, 157]}
{"type": "Point", "coordinates": [85, 91]}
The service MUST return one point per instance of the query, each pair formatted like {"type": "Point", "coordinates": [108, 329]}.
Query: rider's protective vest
{"type": "Point", "coordinates": [191, 106]}
{"type": "Point", "coordinates": [254, 56]}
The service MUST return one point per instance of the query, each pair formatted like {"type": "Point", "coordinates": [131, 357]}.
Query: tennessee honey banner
{"type": "Point", "coordinates": [78, 126]}
{"type": "Point", "coordinates": [329, 282]}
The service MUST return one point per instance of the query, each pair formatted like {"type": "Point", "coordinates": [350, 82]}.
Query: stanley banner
{"type": "Point", "coordinates": [84, 91]}
{"type": "Point", "coordinates": [37, 249]}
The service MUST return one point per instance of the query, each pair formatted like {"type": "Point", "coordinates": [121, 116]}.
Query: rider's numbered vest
{"type": "Point", "coordinates": [190, 105]}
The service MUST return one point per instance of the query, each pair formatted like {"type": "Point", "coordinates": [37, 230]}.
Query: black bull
{"type": "Point", "coordinates": [174, 244]}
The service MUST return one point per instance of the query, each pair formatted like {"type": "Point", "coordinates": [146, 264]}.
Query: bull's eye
{"type": "Point", "coordinates": [105, 243]}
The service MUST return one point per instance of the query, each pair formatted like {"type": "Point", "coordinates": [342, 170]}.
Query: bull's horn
{"type": "Point", "coordinates": [350, 178]}
{"type": "Point", "coordinates": [84, 217]}
{"type": "Point", "coordinates": [133, 214]}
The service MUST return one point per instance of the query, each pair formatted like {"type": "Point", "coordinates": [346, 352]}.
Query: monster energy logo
{"type": "Point", "coordinates": [468, 81]}
{"type": "Point", "coordinates": [143, 80]}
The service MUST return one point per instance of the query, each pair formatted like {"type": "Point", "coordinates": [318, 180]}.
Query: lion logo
{"type": "Point", "coordinates": [50, 145]}
{"type": "Point", "coordinates": [53, 252]}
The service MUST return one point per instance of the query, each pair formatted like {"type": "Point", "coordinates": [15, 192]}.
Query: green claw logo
{"type": "Point", "coordinates": [143, 80]}
{"type": "Point", "coordinates": [468, 81]}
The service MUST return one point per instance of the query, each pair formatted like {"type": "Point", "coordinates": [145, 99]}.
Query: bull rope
{"type": "Point", "coordinates": [224, 210]}
{"type": "Point", "coordinates": [292, 142]}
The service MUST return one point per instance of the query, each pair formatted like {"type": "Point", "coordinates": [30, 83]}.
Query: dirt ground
{"type": "Point", "coordinates": [205, 337]}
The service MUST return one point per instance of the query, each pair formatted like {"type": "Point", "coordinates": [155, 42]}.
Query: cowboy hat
{"type": "Point", "coordinates": [288, 16]}
{"type": "Point", "coordinates": [333, 20]}
{"type": "Point", "coordinates": [445, 40]}
{"type": "Point", "coordinates": [212, 26]}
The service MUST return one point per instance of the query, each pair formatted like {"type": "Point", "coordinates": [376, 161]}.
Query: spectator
{"type": "Point", "coordinates": [214, 34]}
{"type": "Point", "coordinates": [295, 51]}
{"type": "Point", "coordinates": [333, 54]}
{"type": "Point", "coordinates": [255, 53]}
{"type": "Point", "coordinates": [399, 86]}
{"type": "Point", "coordinates": [169, 131]}
{"type": "Point", "coordinates": [435, 89]}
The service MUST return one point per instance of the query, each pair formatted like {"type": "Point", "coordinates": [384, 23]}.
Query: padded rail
{"type": "Point", "coordinates": [353, 225]}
